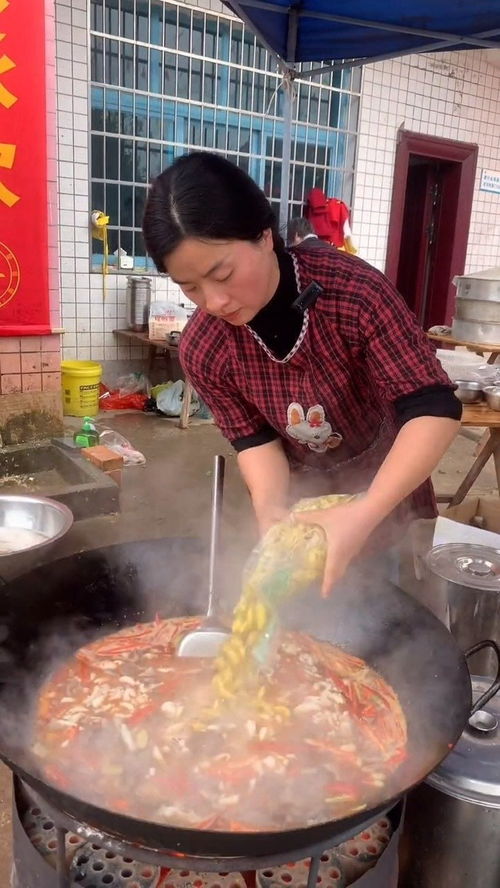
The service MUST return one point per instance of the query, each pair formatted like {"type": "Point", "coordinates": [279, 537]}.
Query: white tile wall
{"type": "Point", "coordinates": [89, 312]}
{"type": "Point", "coordinates": [449, 95]}
{"type": "Point", "coordinates": [452, 95]}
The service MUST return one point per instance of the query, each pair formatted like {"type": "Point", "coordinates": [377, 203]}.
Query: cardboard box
{"type": "Point", "coordinates": [478, 511]}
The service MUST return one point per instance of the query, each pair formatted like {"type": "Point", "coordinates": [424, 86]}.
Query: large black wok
{"type": "Point", "coordinates": [49, 611]}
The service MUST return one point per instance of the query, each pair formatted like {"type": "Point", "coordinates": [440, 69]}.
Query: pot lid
{"type": "Point", "coordinates": [467, 564]}
{"type": "Point", "coordinates": [471, 771]}
{"type": "Point", "coordinates": [487, 274]}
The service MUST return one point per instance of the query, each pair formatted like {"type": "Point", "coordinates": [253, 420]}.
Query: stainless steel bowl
{"type": "Point", "coordinates": [31, 522]}
{"type": "Point", "coordinates": [469, 392]}
{"type": "Point", "coordinates": [492, 395]}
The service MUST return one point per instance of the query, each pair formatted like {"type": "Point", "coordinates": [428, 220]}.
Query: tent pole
{"type": "Point", "coordinates": [291, 54]}
{"type": "Point", "coordinates": [287, 149]}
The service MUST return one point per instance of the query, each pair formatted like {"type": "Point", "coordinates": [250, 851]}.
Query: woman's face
{"type": "Point", "coordinates": [230, 279]}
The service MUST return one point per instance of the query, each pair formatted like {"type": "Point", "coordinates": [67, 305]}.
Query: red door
{"type": "Point", "coordinates": [428, 229]}
{"type": "Point", "coordinates": [423, 239]}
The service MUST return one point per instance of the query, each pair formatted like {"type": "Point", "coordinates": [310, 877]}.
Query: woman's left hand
{"type": "Point", "coordinates": [347, 528]}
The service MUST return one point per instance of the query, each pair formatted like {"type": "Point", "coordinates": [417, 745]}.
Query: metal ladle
{"type": "Point", "coordinates": [207, 639]}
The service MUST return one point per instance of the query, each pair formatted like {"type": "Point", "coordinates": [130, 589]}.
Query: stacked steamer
{"type": "Point", "coordinates": [477, 308]}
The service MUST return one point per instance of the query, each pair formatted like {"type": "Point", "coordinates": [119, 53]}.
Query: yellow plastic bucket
{"type": "Point", "coordinates": [80, 387]}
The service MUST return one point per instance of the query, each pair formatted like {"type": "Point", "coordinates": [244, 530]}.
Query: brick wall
{"type": "Point", "coordinates": [30, 364]}
{"type": "Point", "coordinates": [30, 388]}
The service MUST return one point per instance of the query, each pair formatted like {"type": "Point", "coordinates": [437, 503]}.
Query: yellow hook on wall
{"type": "Point", "coordinates": [100, 224]}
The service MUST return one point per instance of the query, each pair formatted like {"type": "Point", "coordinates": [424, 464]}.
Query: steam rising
{"type": "Point", "coordinates": [99, 593]}
{"type": "Point", "coordinates": [160, 746]}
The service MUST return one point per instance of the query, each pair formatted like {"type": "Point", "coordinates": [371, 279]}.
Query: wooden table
{"type": "Point", "coordinates": [479, 416]}
{"type": "Point", "coordinates": [161, 348]}
{"type": "Point", "coordinates": [478, 347]}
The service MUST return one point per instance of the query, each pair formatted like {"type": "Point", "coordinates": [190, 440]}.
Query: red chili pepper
{"type": "Point", "coordinates": [369, 711]}
{"type": "Point", "coordinates": [122, 805]}
{"type": "Point", "coordinates": [83, 669]}
{"type": "Point", "coordinates": [273, 747]}
{"type": "Point", "coordinates": [234, 777]}
{"type": "Point", "coordinates": [398, 757]}
{"type": "Point", "coordinates": [140, 714]}
{"type": "Point", "coordinates": [210, 821]}
{"type": "Point", "coordinates": [69, 734]}
{"type": "Point", "coordinates": [233, 772]}
{"type": "Point", "coordinates": [173, 784]}
{"type": "Point", "coordinates": [341, 788]}
{"type": "Point", "coordinates": [371, 735]}
{"type": "Point", "coordinates": [57, 777]}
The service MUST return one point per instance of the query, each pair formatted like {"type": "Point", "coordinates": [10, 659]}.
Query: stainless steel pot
{"type": "Point", "coordinates": [138, 302]}
{"type": "Point", "coordinates": [484, 285]}
{"type": "Point", "coordinates": [476, 331]}
{"type": "Point", "coordinates": [477, 309]}
{"type": "Point", "coordinates": [462, 587]}
{"type": "Point", "coordinates": [492, 395]}
{"type": "Point", "coordinates": [468, 391]}
{"type": "Point", "coordinates": [452, 825]}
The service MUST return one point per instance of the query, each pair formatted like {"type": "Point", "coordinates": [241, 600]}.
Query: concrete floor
{"type": "Point", "coordinates": [170, 496]}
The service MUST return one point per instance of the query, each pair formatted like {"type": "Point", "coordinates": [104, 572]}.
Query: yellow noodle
{"type": "Point", "coordinates": [290, 558]}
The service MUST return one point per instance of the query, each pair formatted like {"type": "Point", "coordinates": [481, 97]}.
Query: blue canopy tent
{"type": "Point", "coordinates": [374, 30]}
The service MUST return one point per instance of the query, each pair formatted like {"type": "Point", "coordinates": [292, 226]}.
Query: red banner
{"type": "Point", "coordinates": [24, 276]}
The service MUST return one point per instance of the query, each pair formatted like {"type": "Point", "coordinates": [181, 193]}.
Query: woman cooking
{"type": "Point", "coordinates": [340, 393]}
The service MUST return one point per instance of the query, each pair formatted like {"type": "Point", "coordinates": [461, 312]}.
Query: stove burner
{"type": "Point", "coordinates": [95, 867]}
{"type": "Point", "coordinates": [191, 879]}
{"type": "Point", "coordinates": [84, 858]}
{"type": "Point", "coordinates": [339, 867]}
{"type": "Point", "coordinates": [42, 833]}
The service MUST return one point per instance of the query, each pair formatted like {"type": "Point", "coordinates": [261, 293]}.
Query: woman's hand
{"type": "Point", "coordinates": [266, 473]}
{"type": "Point", "coordinates": [347, 527]}
{"type": "Point", "coordinates": [271, 515]}
{"type": "Point", "coordinates": [418, 447]}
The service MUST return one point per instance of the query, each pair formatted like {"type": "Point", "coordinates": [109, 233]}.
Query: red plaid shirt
{"type": "Point", "coordinates": [362, 349]}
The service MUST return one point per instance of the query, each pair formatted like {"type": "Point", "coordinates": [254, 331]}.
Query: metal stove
{"type": "Point", "coordinates": [51, 850]}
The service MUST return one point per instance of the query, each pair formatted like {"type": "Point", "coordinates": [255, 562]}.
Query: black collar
{"type": "Point", "coordinates": [278, 324]}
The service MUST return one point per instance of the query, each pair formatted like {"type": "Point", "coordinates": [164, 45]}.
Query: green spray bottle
{"type": "Point", "coordinates": [88, 436]}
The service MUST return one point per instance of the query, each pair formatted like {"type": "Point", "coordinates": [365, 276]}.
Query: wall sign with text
{"type": "Point", "coordinates": [24, 276]}
{"type": "Point", "coordinates": [490, 181]}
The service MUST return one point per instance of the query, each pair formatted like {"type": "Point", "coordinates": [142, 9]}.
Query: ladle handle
{"type": "Point", "coordinates": [217, 492]}
{"type": "Point", "coordinates": [495, 687]}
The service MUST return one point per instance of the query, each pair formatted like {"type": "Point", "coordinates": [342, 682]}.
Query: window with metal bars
{"type": "Point", "coordinates": [167, 79]}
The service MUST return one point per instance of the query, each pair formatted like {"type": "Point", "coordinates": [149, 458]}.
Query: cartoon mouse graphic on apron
{"type": "Point", "coordinates": [312, 428]}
